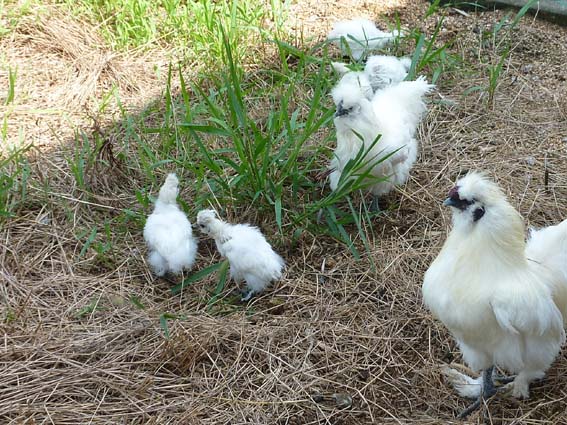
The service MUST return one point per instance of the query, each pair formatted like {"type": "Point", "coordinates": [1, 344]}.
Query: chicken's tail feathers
{"type": "Point", "coordinates": [405, 99]}
{"type": "Point", "coordinates": [409, 92]}
{"type": "Point", "coordinates": [548, 247]}
{"type": "Point", "coordinates": [169, 191]}
{"type": "Point", "coordinates": [420, 86]}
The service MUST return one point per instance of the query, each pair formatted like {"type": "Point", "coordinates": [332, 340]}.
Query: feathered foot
{"type": "Point", "coordinates": [471, 387]}
{"type": "Point", "coordinates": [500, 380]}
{"type": "Point", "coordinates": [488, 390]}
{"type": "Point", "coordinates": [247, 295]}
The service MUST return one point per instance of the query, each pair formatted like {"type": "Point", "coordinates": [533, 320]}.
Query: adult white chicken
{"type": "Point", "coordinates": [250, 256]}
{"type": "Point", "coordinates": [359, 36]}
{"type": "Point", "coordinates": [168, 234]}
{"type": "Point", "coordinates": [392, 114]}
{"type": "Point", "coordinates": [504, 300]}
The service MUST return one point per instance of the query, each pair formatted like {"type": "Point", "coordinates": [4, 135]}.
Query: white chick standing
{"type": "Point", "coordinates": [503, 300]}
{"type": "Point", "coordinates": [360, 35]}
{"type": "Point", "coordinates": [250, 256]}
{"type": "Point", "coordinates": [168, 233]}
{"type": "Point", "coordinates": [393, 114]}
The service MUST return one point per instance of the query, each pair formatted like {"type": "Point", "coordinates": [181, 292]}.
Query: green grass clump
{"type": "Point", "coordinates": [14, 177]}
{"type": "Point", "coordinates": [253, 141]}
{"type": "Point", "coordinates": [188, 28]}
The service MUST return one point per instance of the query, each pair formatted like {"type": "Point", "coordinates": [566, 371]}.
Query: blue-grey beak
{"type": "Point", "coordinates": [340, 110]}
{"type": "Point", "coordinates": [461, 204]}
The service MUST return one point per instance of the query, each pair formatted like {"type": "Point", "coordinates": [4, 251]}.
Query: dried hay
{"type": "Point", "coordinates": [63, 72]}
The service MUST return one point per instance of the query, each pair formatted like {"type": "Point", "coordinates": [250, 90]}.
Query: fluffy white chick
{"type": "Point", "coordinates": [168, 234]}
{"type": "Point", "coordinates": [360, 35]}
{"type": "Point", "coordinates": [380, 71]}
{"type": "Point", "coordinates": [393, 114]}
{"type": "Point", "coordinates": [358, 80]}
{"type": "Point", "coordinates": [503, 300]}
{"type": "Point", "coordinates": [250, 256]}
{"type": "Point", "coordinates": [385, 70]}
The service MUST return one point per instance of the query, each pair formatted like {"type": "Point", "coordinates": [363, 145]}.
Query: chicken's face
{"type": "Point", "coordinates": [473, 197]}
{"type": "Point", "coordinates": [348, 109]}
{"type": "Point", "coordinates": [468, 209]}
{"type": "Point", "coordinates": [353, 107]}
{"type": "Point", "coordinates": [206, 220]}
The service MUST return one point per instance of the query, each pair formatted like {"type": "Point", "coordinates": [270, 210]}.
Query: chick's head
{"type": "Point", "coordinates": [170, 189]}
{"type": "Point", "coordinates": [351, 95]}
{"type": "Point", "coordinates": [208, 222]}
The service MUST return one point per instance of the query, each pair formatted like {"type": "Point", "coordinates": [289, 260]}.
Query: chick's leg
{"type": "Point", "coordinates": [247, 295]}
{"type": "Point", "coordinates": [488, 391]}
{"type": "Point", "coordinates": [374, 205]}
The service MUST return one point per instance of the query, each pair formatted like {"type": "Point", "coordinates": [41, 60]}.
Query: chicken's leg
{"type": "Point", "coordinates": [374, 205]}
{"type": "Point", "coordinates": [487, 391]}
{"type": "Point", "coordinates": [247, 295]}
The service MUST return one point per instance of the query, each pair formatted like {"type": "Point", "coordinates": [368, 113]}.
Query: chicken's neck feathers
{"type": "Point", "coordinates": [220, 231]}
{"type": "Point", "coordinates": [162, 207]}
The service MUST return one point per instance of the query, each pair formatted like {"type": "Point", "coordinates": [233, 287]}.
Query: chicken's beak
{"type": "Point", "coordinates": [450, 202]}
{"type": "Point", "coordinates": [460, 204]}
{"type": "Point", "coordinates": [340, 110]}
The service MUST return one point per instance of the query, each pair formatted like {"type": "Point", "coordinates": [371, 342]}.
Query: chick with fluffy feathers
{"type": "Point", "coordinates": [380, 71]}
{"type": "Point", "coordinates": [168, 233]}
{"type": "Point", "coordinates": [250, 256]}
{"type": "Point", "coordinates": [359, 36]}
{"type": "Point", "coordinates": [385, 70]}
{"type": "Point", "coordinates": [503, 300]}
{"type": "Point", "coordinates": [392, 114]}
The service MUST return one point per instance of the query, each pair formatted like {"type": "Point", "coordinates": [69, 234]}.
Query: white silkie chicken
{"type": "Point", "coordinates": [380, 71]}
{"type": "Point", "coordinates": [393, 114]}
{"type": "Point", "coordinates": [504, 300]}
{"type": "Point", "coordinates": [250, 256]}
{"type": "Point", "coordinates": [360, 35]}
{"type": "Point", "coordinates": [168, 233]}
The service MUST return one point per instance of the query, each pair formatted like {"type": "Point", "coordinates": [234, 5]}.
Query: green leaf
{"type": "Point", "coordinates": [164, 325]}
{"type": "Point", "coordinates": [89, 241]}
{"type": "Point", "coordinates": [195, 277]}
{"type": "Point", "coordinates": [136, 302]}
{"type": "Point", "coordinates": [223, 273]}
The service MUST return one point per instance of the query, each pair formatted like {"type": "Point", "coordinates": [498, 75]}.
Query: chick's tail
{"type": "Point", "coordinates": [403, 101]}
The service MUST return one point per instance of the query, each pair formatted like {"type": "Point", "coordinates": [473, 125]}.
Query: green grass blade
{"type": "Point", "coordinates": [195, 277]}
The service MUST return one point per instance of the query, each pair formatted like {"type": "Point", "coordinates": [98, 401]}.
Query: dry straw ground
{"type": "Point", "coordinates": [332, 325]}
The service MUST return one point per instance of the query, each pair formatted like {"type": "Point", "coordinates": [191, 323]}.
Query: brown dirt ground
{"type": "Point", "coordinates": [360, 331]}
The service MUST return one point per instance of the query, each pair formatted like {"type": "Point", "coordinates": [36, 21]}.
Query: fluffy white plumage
{"type": "Point", "coordinates": [380, 71]}
{"type": "Point", "coordinates": [360, 35]}
{"type": "Point", "coordinates": [504, 300]}
{"type": "Point", "coordinates": [385, 70]}
{"type": "Point", "coordinates": [168, 233]}
{"type": "Point", "coordinates": [251, 257]}
{"type": "Point", "coordinates": [394, 113]}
